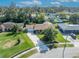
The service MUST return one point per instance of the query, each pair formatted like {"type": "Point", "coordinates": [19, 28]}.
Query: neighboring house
{"type": "Point", "coordinates": [69, 28]}
{"type": "Point", "coordinates": [6, 26]}
{"type": "Point", "coordinates": [38, 27]}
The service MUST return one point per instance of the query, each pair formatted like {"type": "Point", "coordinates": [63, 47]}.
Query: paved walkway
{"type": "Point", "coordinates": [57, 53]}
{"type": "Point", "coordinates": [41, 47]}
{"type": "Point", "coordinates": [74, 42]}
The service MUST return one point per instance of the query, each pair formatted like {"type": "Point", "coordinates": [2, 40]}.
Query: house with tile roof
{"type": "Point", "coordinates": [38, 27]}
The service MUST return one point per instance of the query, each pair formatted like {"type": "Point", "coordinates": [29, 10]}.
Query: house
{"type": "Point", "coordinates": [69, 28]}
{"type": "Point", "coordinates": [7, 26]}
{"type": "Point", "coordinates": [38, 27]}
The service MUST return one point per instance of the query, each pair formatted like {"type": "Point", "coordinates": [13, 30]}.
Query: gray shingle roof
{"type": "Point", "coordinates": [69, 26]}
{"type": "Point", "coordinates": [8, 25]}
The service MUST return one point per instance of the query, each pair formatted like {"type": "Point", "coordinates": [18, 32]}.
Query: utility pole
{"type": "Point", "coordinates": [63, 54]}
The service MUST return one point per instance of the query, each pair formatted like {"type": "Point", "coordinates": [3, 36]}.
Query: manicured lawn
{"type": "Point", "coordinates": [59, 37]}
{"type": "Point", "coordinates": [28, 54]}
{"type": "Point", "coordinates": [6, 40]}
{"type": "Point", "coordinates": [67, 45]}
{"type": "Point", "coordinates": [62, 45]}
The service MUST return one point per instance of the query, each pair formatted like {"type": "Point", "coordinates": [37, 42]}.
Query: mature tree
{"type": "Point", "coordinates": [74, 18]}
{"type": "Point", "coordinates": [49, 35]}
{"type": "Point", "coordinates": [10, 14]}
{"type": "Point", "coordinates": [39, 18]}
{"type": "Point", "coordinates": [27, 21]}
{"type": "Point", "coordinates": [16, 29]}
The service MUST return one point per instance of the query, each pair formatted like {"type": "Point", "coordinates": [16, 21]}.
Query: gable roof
{"type": "Point", "coordinates": [8, 25]}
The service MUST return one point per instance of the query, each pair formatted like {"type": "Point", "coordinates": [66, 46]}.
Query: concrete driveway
{"type": "Point", "coordinates": [41, 47]}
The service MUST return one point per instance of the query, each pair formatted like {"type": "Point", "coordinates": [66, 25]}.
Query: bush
{"type": "Point", "coordinates": [53, 46]}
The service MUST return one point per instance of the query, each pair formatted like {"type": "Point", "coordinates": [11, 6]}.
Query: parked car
{"type": "Point", "coordinates": [73, 35]}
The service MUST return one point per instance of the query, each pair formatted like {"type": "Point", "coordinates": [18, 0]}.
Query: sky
{"type": "Point", "coordinates": [43, 3]}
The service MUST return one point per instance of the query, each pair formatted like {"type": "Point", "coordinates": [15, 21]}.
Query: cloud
{"type": "Point", "coordinates": [26, 3]}
{"type": "Point", "coordinates": [57, 4]}
{"type": "Point", "coordinates": [19, 5]}
{"type": "Point", "coordinates": [68, 0]}
{"type": "Point", "coordinates": [37, 2]}
{"type": "Point", "coordinates": [31, 3]}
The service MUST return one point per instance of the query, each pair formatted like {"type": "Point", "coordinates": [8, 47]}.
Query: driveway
{"type": "Point", "coordinates": [41, 47]}
{"type": "Point", "coordinates": [74, 42]}
{"type": "Point", "coordinates": [57, 53]}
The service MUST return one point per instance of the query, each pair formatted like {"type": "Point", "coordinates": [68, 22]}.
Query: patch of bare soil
{"type": "Point", "coordinates": [9, 43]}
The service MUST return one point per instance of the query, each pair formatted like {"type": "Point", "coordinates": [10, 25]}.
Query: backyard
{"type": "Point", "coordinates": [11, 45]}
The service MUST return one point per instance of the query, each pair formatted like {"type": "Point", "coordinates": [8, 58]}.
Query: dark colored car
{"type": "Point", "coordinates": [73, 35]}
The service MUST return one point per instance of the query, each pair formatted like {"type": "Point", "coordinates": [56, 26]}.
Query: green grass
{"type": "Point", "coordinates": [60, 38]}
{"type": "Point", "coordinates": [28, 54]}
{"type": "Point", "coordinates": [67, 45]}
{"type": "Point", "coordinates": [24, 45]}
{"type": "Point", "coordinates": [40, 36]}
{"type": "Point", "coordinates": [56, 45]}
{"type": "Point", "coordinates": [77, 36]}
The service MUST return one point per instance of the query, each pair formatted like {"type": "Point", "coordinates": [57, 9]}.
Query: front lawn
{"type": "Point", "coordinates": [9, 46]}
{"type": "Point", "coordinates": [59, 37]}
{"type": "Point", "coordinates": [29, 53]}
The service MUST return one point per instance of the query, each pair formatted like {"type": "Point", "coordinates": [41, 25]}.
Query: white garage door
{"type": "Point", "coordinates": [30, 30]}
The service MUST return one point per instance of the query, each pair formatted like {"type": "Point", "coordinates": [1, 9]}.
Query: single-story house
{"type": "Point", "coordinates": [69, 28]}
{"type": "Point", "coordinates": [38, 27]}
{"type": "Point", "coordinates": [7, 26]}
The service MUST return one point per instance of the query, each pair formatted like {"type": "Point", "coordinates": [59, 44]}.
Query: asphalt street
{"type": "Point", "coordinates": [57, 53]}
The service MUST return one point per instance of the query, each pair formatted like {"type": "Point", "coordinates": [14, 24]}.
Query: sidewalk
{"type": "Point", "coordinates": [74, 42]}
